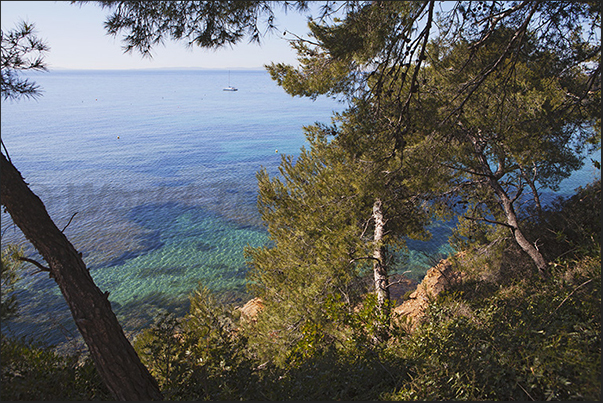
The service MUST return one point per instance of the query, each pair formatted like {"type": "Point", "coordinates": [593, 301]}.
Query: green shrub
{"type": "Point", "coordinates": [503, 334]}
{"type": "Point", "coordinates": [537, 339]}
{"type": "Point", "coordinates": [337, 374]}
{"type": "Point", "coordinates": [33, 371]}
{"type": "Point", "coordinates": [200, 357]}
{"type": "Point", "coordinates": [571, 227]}
{"type": "Point", "coordinates": [10, 266]}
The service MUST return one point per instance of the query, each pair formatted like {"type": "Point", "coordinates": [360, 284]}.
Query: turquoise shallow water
{"type": "Point", "coordinates": [159, 169]}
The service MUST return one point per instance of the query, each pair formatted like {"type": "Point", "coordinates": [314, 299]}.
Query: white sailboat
{"type": "Point", "coordinates": [230, 87]}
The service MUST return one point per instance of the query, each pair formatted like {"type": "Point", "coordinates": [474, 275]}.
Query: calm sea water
{"type": "Point", "coordinates": [159, 169]}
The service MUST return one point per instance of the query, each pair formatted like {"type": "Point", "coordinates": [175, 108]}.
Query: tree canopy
{"type": "Point", "coordinates": [22, 50]}
{"type": "Point", "coordinates": [510, 85]}
{"type": "Point", "coordinates": [207, 24]}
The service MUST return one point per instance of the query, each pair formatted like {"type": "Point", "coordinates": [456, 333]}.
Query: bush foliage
{"type": "Point", "coordinates": [33, 371]}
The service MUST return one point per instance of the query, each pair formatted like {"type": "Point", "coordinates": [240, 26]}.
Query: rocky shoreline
{"type": "Point", "coordinates": [437, 279]}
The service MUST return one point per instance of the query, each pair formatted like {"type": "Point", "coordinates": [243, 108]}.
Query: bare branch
{"type": "Point", "coordinates": [572, 293]}
{"type": "Point", "coordinates": [35, 263]}
{"type": "Point", "coordinates": [489, 221]}
{"type": "Point", "coordinates": [518, 37]}
{"type": "Point", "coordinates": [65, 227]}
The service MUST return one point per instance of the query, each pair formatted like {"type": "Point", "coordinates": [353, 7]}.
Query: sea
{"type": "Point", "coordinates": [152, 175]}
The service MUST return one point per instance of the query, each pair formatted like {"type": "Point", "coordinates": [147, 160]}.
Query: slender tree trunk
{"type": "Point", "coordinates": [531, 181]}
{"type": "Point", "coordinates": [513, 223]}
{"type": "Point", "coordinates": [115, 358]}
{"type": "Point", "coordinates": [508, 209]}
{"type": "Point", "coordinates": [379, 268]}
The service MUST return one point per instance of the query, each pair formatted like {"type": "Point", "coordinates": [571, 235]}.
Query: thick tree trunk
{"type": "Point", "coordinates": [379, 268]}
{"type": "Point", "coordinates": [115, 358]}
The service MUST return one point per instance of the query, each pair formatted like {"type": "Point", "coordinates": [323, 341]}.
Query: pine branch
{"type": "Point", "coordinates": [37, 264]}
{"type": "Point", "coordinates": [65, 227]}
{"type": "Point", "coordinates": [489, 221]}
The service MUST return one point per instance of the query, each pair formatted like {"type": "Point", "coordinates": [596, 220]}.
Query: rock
{"type": "Point", "coordinates": [400, 285]}
{"type": "Point", "coordinates": [437, 279]}
{"type": "Point", "coordinates": [250, 310]}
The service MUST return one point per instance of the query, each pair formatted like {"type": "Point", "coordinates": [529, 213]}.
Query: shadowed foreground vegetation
{"type": "Point", "coordinates": [504, 333]}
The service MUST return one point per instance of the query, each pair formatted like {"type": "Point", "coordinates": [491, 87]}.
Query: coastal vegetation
{"type": "Point", "coordinates": [458, 114]}
{"type": "Point", "coordinates": [497, 335]}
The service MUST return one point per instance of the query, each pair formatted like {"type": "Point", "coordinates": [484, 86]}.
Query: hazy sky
{"type": "Point", "coordinates": [78, 40]}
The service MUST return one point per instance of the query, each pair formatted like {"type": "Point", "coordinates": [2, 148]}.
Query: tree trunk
{"type": "Point", "coordinates": [513, 223]}
{"type": "Point", "coordinates": [379, 268]}
{"type": "Point", "coordinates": [115, 358]}
{"type": "Point", "coordinates": [507, 204]}
{"type": "Point", "coordinates": [531, 181]}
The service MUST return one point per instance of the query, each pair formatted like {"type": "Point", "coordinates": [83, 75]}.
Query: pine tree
{"type": "Point", "coordinates": [519, 132]}
{"type": "Point", "coordinates": [116, 361]}
{"type": "Point", "coordinates": [334, 217]}
{"type": "Point", "coordinates": [540, 83]}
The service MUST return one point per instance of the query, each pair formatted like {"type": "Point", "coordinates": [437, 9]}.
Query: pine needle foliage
{"type": "Point", "coordinates": [10, 270]}
{"type": "Point", "coordinates": [22, 51]}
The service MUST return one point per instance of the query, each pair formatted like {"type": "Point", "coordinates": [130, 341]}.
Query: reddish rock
{"type": "Point", "coordinates": [400, 285]}
{"type": "Point", "coordinates": [437, 279]}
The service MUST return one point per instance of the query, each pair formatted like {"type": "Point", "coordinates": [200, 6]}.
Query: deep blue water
{"type": "Point", "coordinates": [160, 168]}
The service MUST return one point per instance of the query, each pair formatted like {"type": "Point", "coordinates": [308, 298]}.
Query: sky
{"type": "Point", "coordinates": [77, 40]}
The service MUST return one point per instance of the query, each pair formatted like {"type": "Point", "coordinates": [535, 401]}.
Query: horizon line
{"type": "Point", "coordinates": [50, 69]}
